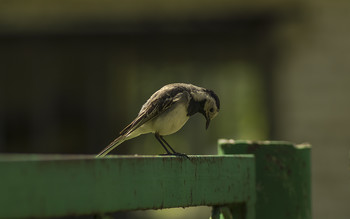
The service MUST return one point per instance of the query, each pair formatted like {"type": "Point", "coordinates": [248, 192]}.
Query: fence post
{"type": "Point", "coordinates": [283, 184]}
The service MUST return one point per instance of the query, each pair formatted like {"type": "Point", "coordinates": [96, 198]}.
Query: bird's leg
{"type": "Point", "coordinates": [161, 139]}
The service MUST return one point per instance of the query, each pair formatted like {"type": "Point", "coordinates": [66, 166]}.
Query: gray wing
{"type": "Point", "coordinates": [155, 106]}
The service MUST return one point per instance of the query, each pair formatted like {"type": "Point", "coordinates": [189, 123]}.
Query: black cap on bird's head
{"type": "Point", "coordinates": [205, 102]}
{"type": "Point", "coordinates": [215, 97]}
{"type": "Point", "coordinates": [211, 107]}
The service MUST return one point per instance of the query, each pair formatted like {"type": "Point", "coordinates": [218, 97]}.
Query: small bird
{"type": "Point", "coordinates": [166, 111]}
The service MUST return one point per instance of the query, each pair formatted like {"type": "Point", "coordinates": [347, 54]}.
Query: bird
{"type": "Point", "coordinates": [166, 112]}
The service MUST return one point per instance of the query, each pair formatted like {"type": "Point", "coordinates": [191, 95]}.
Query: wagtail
{"type": "Point", "coordinates": [166, 111]}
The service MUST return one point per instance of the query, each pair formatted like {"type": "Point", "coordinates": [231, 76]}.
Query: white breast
{"type": "Point", "coordinates": [170, 121]}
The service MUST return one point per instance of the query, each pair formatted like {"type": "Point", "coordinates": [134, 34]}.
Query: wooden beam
{"type": "Point", "coordinates": [61, 185]}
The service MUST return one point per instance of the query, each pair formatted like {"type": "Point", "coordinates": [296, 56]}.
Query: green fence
{"type": "Point", "coordinates": [283, 177]}
{"type": "Point", "coordinates": [246, 180]}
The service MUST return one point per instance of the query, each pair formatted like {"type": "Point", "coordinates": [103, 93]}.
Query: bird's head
{"type": "Point", "coordinates": [211, 106]}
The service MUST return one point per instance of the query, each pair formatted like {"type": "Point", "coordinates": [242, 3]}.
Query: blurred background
{"type": "Point", "coordinates": [75, 73]}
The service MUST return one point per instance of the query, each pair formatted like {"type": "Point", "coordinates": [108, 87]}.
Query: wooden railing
{"type": "Point", "coordinates": [262, 180]}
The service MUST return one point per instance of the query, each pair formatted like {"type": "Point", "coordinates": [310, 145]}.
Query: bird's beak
{"type": "Point", "coordinates": [207, 123]}
{"type": "Point", "coordinates": [207, 118]}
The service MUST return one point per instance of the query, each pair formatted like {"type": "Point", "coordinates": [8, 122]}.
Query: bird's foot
{"type": "Point", "coordinates": [175, 154]}
{"type": "Point", "coordinates": [180, 155]}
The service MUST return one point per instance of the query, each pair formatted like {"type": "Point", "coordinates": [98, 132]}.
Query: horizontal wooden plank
{"type": "Point", "coordinates": [60, 185]}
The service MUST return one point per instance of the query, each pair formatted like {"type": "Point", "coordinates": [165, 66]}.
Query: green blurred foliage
{"type": "Point", "coordinates": [76, 93]}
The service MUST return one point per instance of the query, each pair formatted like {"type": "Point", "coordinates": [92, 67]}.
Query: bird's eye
{"type": "Point", "coordinates": [211, 110]}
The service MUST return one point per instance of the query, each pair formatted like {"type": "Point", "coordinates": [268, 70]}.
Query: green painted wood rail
{"type": "Point", "coordinates": [258, 180]}
{"type": "Point", "coordinates": [39, 186]}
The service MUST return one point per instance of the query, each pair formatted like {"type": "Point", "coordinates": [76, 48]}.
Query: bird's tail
{"type": "Point", "coordinates": [111, 146]}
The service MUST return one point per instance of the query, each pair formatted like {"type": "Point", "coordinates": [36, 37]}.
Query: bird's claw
{"type": "Point", "coordinates": [175, 154]}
